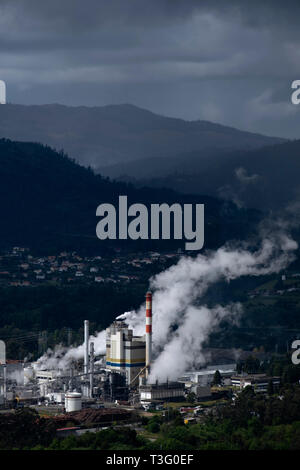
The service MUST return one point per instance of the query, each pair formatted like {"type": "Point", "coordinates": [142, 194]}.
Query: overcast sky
{"type": "Point", "coordinates": [233, 65]}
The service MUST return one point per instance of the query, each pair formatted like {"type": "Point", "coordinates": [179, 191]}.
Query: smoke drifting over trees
{"type": "Point", "coordinates": [181, 323]}
{"type": "Point", "coordinates": [177, 296]}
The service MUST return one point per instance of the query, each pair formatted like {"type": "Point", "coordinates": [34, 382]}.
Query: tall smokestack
{"type": "Point", "coordinates": [86, 347]}
{"type": "Point", "coordinates": [148, 331]}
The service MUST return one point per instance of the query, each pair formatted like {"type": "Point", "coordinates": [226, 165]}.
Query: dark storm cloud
{"type": "Point", "coordinates": [231, 62]}
{"type": "Point", "coordinates": [84, 15]}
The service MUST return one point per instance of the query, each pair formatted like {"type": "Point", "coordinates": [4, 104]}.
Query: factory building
{"type": "Point", "coordinates": [8, 369]}
{"type": "Point", "coordinates": [125, 353]}
{"type": "Point", "coordinates": [259, 382]}
{"type": "Point", "coordinates": [114, 388]}
{"type": "Point", "coordinates": [132, 355]}
{"type": "Point", "coordinates": [170, 391]}
{"type": "Point", "coordinates": [204, 377]}
{"type": "Point", "coordinates": [71, 388]}
{"type": "Point", "coordinates": [128, 354]}
{"type": "Point", "coordinates": [128, 357]}
{"type": "Point", "coordinates": [55, 397]}
{"type": "Point", "coordinates": [44, 376]}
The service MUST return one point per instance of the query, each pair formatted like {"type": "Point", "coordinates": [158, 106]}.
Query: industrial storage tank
{"type": "Point", "coordinates": [73, 402]}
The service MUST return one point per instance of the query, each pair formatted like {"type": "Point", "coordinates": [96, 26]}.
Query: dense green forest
{"type": "Point", "coordinates": [48, 203]}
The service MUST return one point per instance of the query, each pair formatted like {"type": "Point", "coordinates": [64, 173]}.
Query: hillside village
{"type": "Point", "coordinates": [20, 268]}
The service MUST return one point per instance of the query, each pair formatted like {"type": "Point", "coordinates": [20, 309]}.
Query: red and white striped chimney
{"type": "Point", "coordinates": [148, 331]}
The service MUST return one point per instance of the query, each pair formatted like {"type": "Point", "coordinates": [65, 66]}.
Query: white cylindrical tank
{"type": "Point", "coordinates": [73, 402]}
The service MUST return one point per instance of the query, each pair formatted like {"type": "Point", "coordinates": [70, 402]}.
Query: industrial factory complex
{"type": "Point", "coordinates": [121, 376]}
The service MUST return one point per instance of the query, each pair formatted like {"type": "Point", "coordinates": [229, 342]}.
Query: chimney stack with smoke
{"type": "Point", "coordinates": [148, 332]}
{"type": "Point", "coordinates": [86, 347]}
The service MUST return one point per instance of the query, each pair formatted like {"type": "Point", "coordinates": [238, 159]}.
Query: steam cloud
{"type": "Point", "coordinates": [61, 357]}
{"type": "Point", "coordinates": [177, 290]}
{"type": "Point", "coordinates": [181, 324]}
{"type": "Point", "coordinates": [243, 176]}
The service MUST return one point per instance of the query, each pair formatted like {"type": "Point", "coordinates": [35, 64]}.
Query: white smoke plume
{"type": "Point", "coordinates": [185, 347]}
{"type": "Point", "coordinates": [177, 291]}
{"type": "Point", "coordinates": [181, 324]}
{"type": "Point", "coordinates": [244, 178]}
{"type": "Point", "coordinates": [61, 357]}
{"type": "Point", "coordinates": [16, 375]}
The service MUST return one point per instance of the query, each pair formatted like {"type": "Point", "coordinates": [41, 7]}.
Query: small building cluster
{"type": "Point", "coordinates": [259, 382]}
{"type": "Point", "coordinates": [20, 268]}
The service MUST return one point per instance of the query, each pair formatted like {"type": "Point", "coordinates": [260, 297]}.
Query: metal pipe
{"type": "Point", "coordinates": [4, 382]}
{"type": "Point", "coordinates": [148, 332]}
{"type": "Point", "coordinates": [86, 346]}
{"type": "Point", "coordinates": [91, 369]}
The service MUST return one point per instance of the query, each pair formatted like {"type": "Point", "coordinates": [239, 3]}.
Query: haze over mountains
{"type": "Point", "coordinates": [131, 144]}
{"type": "Point", "coordinates": [266, 178]}
{"type": "Point", "coordinates": [102, 136]}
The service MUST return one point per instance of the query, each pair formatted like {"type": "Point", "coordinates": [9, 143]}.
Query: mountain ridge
{"type": "Point", "coordinates": [104, 135]}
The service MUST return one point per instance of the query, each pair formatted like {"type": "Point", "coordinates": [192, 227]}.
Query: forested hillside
{"type": "Point", "coordinates": [48, 203]}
